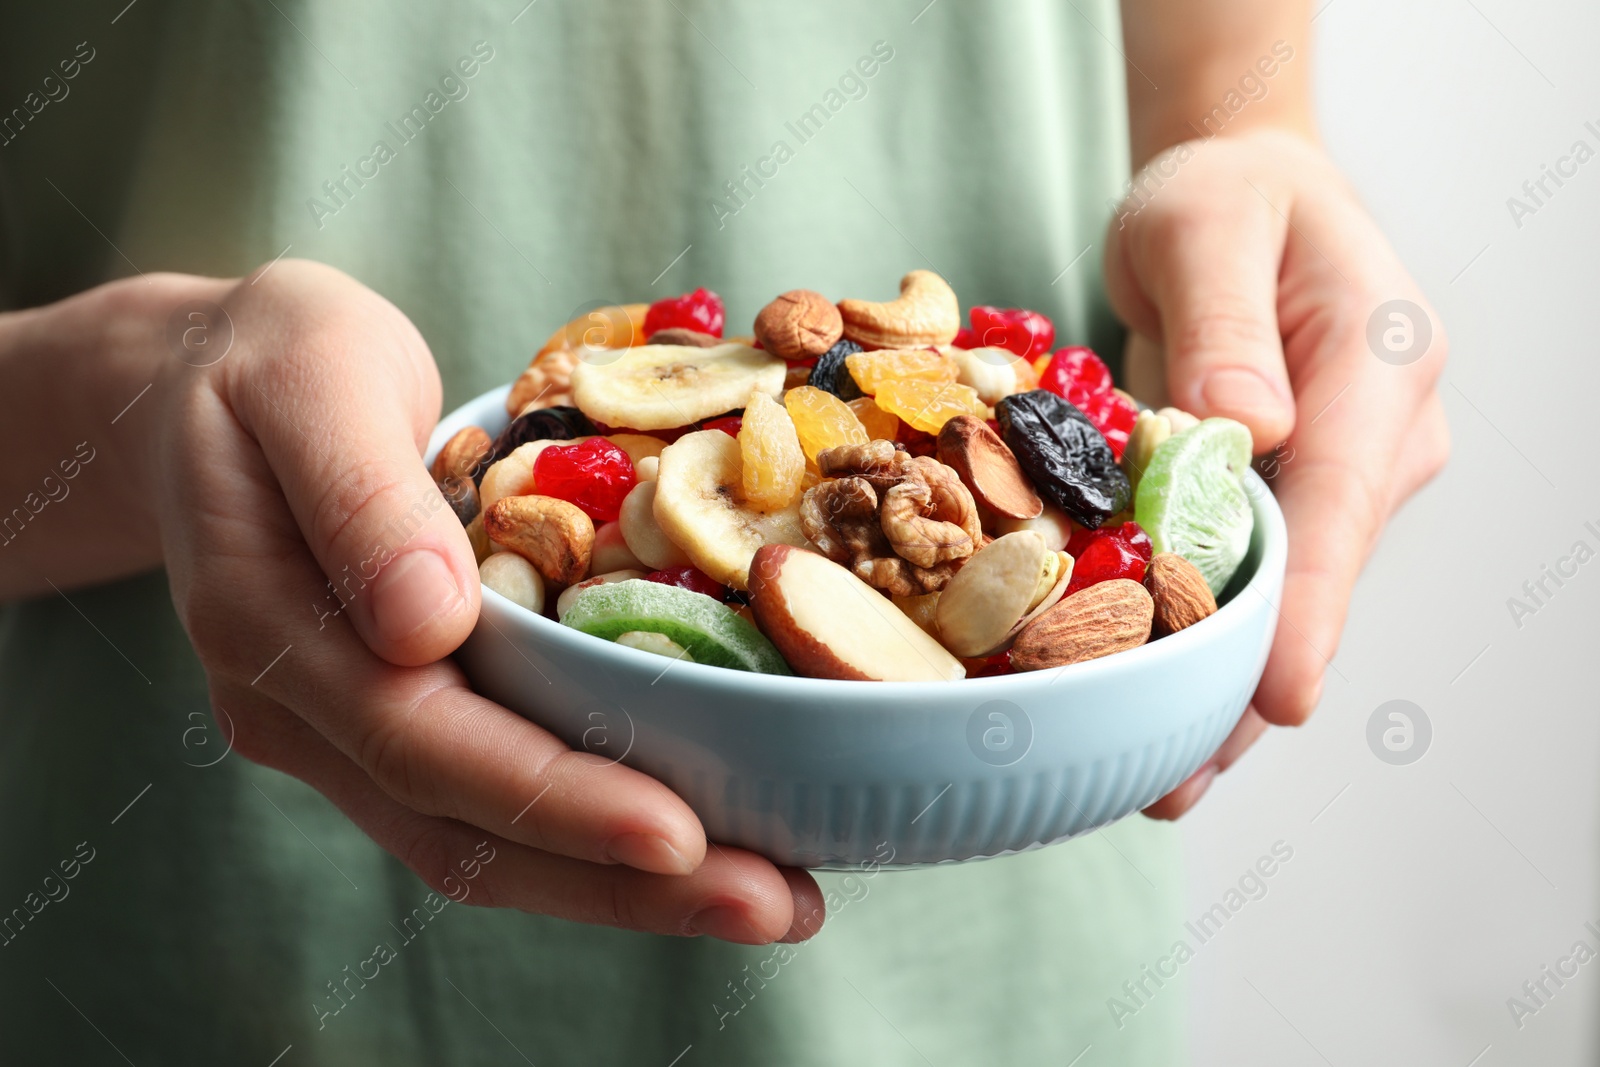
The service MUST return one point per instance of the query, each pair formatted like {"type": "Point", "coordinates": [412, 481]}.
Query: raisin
{"type": "Point", "coordinates": [1067, 458]}
{"type": "Point", "coordinates": [822, 421]}
{"type": "Point", "coordinates": [879, 424]}
{"type": "Point", "coordinates": [832, 376]}
{"type": "Point", "coordinates": [541, 424]}
{"type": "Point", "coordinates": [872, 370]}
{"type": "Point", "coordinates": [927, 406]}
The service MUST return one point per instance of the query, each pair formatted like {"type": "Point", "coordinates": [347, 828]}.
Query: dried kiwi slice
{"type": "Point", "coordinates": [711, 631]}
{"type": "Point", "coordinates": [1192, 498]}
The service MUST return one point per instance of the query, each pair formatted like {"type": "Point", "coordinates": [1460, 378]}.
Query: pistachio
{"type": "Point", "coordinates": [990, 594]}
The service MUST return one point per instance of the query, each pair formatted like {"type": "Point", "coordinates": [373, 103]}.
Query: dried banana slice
{"type": "Point", "coordinates": [659, 387]}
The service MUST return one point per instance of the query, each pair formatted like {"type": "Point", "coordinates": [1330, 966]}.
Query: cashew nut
{"type": "Point", "coordinates": [553, 535]}
{"type": "Point", "coordinates": [926, 313]}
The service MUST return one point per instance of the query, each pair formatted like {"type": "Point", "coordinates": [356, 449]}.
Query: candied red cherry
{"type": "Point", "coordinates": [700, 310]}
{"type": "Point", "coordinates": [1080, 540]}
{"type": "Point", "coordinates": [1113, 416]}
{"type": "Point", "coordinates": [915, 441]}
{"type": "Point", "coordinates": [1027, 333]}
{"type": "Point", "coordinates": [728, 424]}
{"type": "Point", "coordinates": [993, 666]}
{"type": "Point", "coordinates": [1107, 557]}
{"type": "Point", "coordinates": [690, 578]}
{"type": "Point", "coordinates": [1132, 535]}
{"type": "Point", "coordinates": [594, 474]}
{"type": "Point", "coordinates": [1077, 371]}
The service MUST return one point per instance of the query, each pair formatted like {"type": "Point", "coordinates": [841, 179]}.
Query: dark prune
{"type": "Point", "coordinates": [541, 424]}
{"type": "Point", "coordinates": [832, 376]}
{"type": "Point", "coordinates": [1068, 460]}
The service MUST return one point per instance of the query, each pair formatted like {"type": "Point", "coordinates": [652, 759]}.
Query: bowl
{"type": "Point", "coordinates": [834, 774]}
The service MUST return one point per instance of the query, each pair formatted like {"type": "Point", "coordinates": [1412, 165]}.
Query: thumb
{"type": "Point", "coordinates": [336, 405]}
{"type": "Point", "coordinates": [1201, 276]}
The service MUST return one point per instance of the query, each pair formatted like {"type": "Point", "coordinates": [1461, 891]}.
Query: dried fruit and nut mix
{"type": "Point", "coordinates": [857, 490]}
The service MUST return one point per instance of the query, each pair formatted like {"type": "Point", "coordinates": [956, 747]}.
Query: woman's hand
{"type": "Point", "coordinates": [1248, 275]}
{"type": "Point", "coordinates": [295, 460]}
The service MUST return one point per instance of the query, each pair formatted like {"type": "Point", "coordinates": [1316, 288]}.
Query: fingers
{"type": "Point", "coordinates": [339, 390]}
{"type": "Point", "coordinates": [1245, 733]}
{"type": "Point", "coordinates": [734, 895]}
{"type": "Point", "coordinates": [249, 593]}
{"type": "Point", "coordinates": [1426, 448]}
{"type": "Point", "coordinates": [1197, 271]}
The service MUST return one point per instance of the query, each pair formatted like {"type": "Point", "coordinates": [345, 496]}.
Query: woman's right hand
{"type": "Point", "coordinates": [294, 461]}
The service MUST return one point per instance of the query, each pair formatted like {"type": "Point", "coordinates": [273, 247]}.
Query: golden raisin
{"type": "Point", "coordinates": [821, 420]}
{"type": "Point", "coordinates": [770, 450]}
{"type": "Point", "coordinates": [879, 424]}
{"type": "Point", "coordinates": [927, 406]}
{"type": "Point", "coordinates": [872, 369]}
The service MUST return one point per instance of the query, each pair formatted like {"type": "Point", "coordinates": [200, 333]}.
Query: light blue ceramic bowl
{"type": "Point", "coordinates": [817, 773]}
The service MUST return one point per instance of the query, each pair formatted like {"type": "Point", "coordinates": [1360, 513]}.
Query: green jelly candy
{"type": "Point", "coordinates": [712, 632]}
{"type": "Point", "coordinates": [1192, 500]}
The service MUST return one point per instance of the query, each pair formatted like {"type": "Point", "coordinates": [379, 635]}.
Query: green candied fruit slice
{"type": "Point", "coordinates": [1192, 500]}
{"type": "Point", "coordinates": [712, 632]}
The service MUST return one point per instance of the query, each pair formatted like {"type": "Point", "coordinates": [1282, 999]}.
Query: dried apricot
{"type": "Point", "coordinates": [770, 451]}
{"type": "Point", "coordinates": [872, 369]}
{"type": "Point", "coordinates": [822, 420]}
{"type": "Point", "coordinates": [927, 406]}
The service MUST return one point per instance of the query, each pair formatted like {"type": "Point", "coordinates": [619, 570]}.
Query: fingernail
{"type": "Point", "coordinates": [412, 590]}
{"type": "Point", "coordinates": [1242, 394]}
{"type": "Point", "coordinates": [726, 924]}
{"type": "Point", "coordinates": [648, 852]}
{"type": "Point", "coordinates": [1202, 780]}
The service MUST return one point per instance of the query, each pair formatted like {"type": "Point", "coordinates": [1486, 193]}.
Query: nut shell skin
{"type": "Point", "coordinates": [1103, 619]}
{"type": "Point", "coordinates": [799, 325]}
{"type": "Point", "coordinates": [464, 455]}
{"type": "Point", "coordinates": [988, 468]}
{"type": "Point", "coordinates": [1179, 592]}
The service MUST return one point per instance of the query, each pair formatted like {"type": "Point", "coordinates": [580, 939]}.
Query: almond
{"type": "Point", "coordinates": [1181, 594]}
{"type": "Point", "coordinates": [988, 468]}
{"type": "Point", "coordinates": [799, 324]}
{"type": "Point", "coordinates": [1105, 618]}
{"type": "Point", "coordinates": [461, 456]}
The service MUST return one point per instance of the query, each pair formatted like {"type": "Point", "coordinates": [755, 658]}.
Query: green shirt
{"type": "Point", "coordinates": [493, 169]}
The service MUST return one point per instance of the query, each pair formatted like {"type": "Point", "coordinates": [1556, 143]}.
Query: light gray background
{"type": "Point", "coordinates": [1425, 895]}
